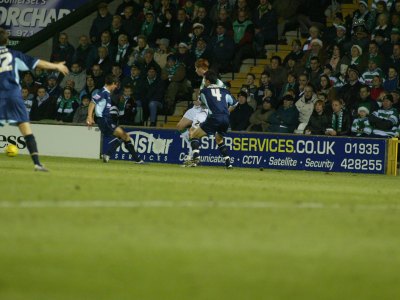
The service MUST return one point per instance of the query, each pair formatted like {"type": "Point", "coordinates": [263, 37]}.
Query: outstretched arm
{"type": "Point", "coordinates": [60, 66]}
{"type": "Point", "coordinates": [89, 119]}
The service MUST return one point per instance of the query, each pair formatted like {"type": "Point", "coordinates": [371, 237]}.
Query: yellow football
{"type": "Point", "coordinates": [11, 150]}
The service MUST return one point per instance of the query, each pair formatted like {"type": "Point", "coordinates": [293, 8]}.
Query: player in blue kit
{"type": "Point", "coordinates": [12, 108]}
{"type": "Point", "coordinates": [217, 100]}
{"type": "Point", "coordinates": [101, 105]}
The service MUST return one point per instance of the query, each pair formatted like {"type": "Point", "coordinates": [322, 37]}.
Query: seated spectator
{"type": "Point", "coordinates": [52, 88]}
{"type": "Point", "coordinates": [217, 7]}
{"type": "Point", "coordinates": [341, 78]}
{"type": "Point", "coordinates": [27, 98]}
{"type": "Point", "coordinates": [396, 99]}
{"type": "Point", "coordinates": [340, 122]}
{"type": "Point", "coordinates": [291, 83]}
{"type": "Point", "coordinates": [43, 106]}
{"type": "Point", "coordinates": [77, 75]}
{"type": "Point", "coordinates": [314, 34]}
{"type": "Point", "coordinates": [277, 72]}
{"type": "Point", "coordinates": [265, 84]}
{"type": "Point", "coordinates": [365, 100]}
{"type": "Point", "coordinates": [361, 126]}
{"type": "Point", "coordinates": [314, 72]}
{"type": "Point", "coordinates": [382, 23]}
{"type": "Point", "coordinates": [185, 56]}
{"type": "Point", "coordinates": [81, 112]}
{"type": "Point", "coordinates": [302, 83]}
{"type": "Point", "coordinates": [151, 96]}
{"type": "Point", "coordinates": [201, 17]}
{"type": "Point", "coordinates": [259, 119]}
{"type": "Point", "coordinates": [130, 25]}
{"type": "Point", "coordinates": [243, 33]}
{"type": "Point", "coordinates": [385, 120]}
{"type": "Point", "coordinates": [373, 52]}
{"type": "Point", "coordinates": [222, 50]}
{"type": "Point", "coordinates": [392, 81]}
{"type": "Point", "coordinates": [376, 88]}
{"type": "Point", "coordinates": [29, 83]}
{"type": "Point", "coordinates": [104, 60]}
{"type": "Point", "coordinates": [286, 118]}
{"type": "Point", "coordinates": [224, 19]}
{"type": "Point", "coordinates": [316, 51]}
{"type": "Point", "coordinates": [40, 76]}
{"type": "Point", "coordinates": [351, 90]}
{"type": "Point", "coordinates": [66, 106]}
{"type": "Point", "coordinates": [123, 51]}
{"type": "Point", "coordinates": [137, 55]}
{"type": "Point", "coordinates": [90, 89]}
{"type": "Point", "coordinates": [296, 54]}
{"type": "Point", "coordinates": [181, 28]}
{"type": "Point", "coordinates": [201, 50]}
{"type": "Point", "coordinates": [162, 51]}
{"type": "Point", "coordinates": [150, 28]}
{"type": "Point", "coordinates": [62, 50]}
{"type": "Point", "coordinates": [325, 86]}
{"type": "Point", "coordinates": [116, 29]}
{"type": "Point", "coordinates": [305, 107]}
{"type": "Point", "coordinates": [101, 23]}
{"type": "Point", "coordinates": [175, 76]}
{"type": "Point", "coordinates": [134, 80]}
{"type": "Point", "coordinates": [239, 118]}
{"type": "Point", "coordinates": [84, 52]}
{"type": "Point", "coordinates": [251, 89]}
{"type": "Point", "coordinates": [98, 76]}
{"type": "Point", "coordinates": [198, 33]}
{"type": "Point", "coordinates": [371, 72]}
{"type": "Point", "coordinates": [265, 23]}
{"type": "Point", "coordinates": [364, 15]}
{"type": "Point", "coordinates": [127, 108]}
{"type": "Point", "coordinates": [340, 39]}
{"type": "Point", "coordinates": [319, 120]}
{"type": "Point", "coordinates": [336, 59]}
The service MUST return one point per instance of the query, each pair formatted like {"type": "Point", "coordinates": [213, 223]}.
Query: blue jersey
{"type": "Point", "coordinates": [103, 103]}
{"type": "Point", "coordinates": [11, 62]}
{"type": "Point", "coordinates": [216, 99]}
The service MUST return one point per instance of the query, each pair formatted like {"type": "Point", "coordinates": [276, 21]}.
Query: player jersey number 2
{"type": "Point", "coordinates": [216, 93]}
{"type": "Point", "coordinates": [5, 62]}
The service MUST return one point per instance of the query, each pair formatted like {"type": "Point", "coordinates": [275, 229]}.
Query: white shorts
{"type": "Point", "coordinates": [197, 115]}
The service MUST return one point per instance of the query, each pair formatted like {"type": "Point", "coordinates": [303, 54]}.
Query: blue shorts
{"type": "Point", "coordinates": [215, 124]}
{"type": "Point", "coordinates": [107, 126]}
{"type": "Point", "coordinates": [13, 110]}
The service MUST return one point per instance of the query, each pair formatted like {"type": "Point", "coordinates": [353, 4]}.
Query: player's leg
{"type": "Point", "coordinates": [195, 137]}
{"type": "Point", "coordinates": [223, 149]}
{"type": "Point", "coordinates": [223, 126]}
{"type": "Point", "coordinates": [26, 131]}
{"type": "Point", "coordinates": [107, 130]}
{"type": "Point", "coordinates": [120, 133]}
{"type": "Point", "coordinates": [183, 126]}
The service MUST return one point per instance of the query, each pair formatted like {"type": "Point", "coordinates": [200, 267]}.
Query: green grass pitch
{"type": "Point", "coordinates": [89, 230]}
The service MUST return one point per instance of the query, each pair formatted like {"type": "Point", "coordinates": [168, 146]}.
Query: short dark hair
{"type": "Point", "coordinates": [3, 37]}
{"type": "Point", "coordinates": [110, 79]}
{"type": "Point", "coordinates": [211, 76]}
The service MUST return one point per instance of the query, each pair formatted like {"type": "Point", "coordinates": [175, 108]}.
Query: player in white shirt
{"type": "Point", "coordinates": [197, 114]}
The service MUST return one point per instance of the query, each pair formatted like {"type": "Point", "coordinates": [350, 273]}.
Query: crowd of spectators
{"type": "Point", "coordinates": [340, 79]}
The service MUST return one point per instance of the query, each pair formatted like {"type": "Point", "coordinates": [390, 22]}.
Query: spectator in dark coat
{"type": "Point", "coordinates": [181, 28]}
{"type": "Point", "coordinates": [223, 49]}
{"type": "Point", "coordinates": [116, 29]}
{"type": "Point", "coordinates": [286, 118]}
{"type": "Point", "coordinates": [266, 25]}
{"type": "Point", "coordinates": [101, 23]}
{"type": "Point", "coordinates": [130, 25]}
{"type": "Point", "coordinates": [151, 97]}
{"type": "Point", "coordinates": [126, 3]}
{"type": "Point", "coordinates": [319, 120]}
{"type": "Point", "coordinates": [203, 18]}
{"type": "Point", "coordinates": [52, 87]}
{"type": "Point", "coordinates": [62, 50]}
{"type": "Point", "coordinates": [240, 116]}
{"type": "Point", "coordinates": [350, 91]}
{"type": "Point", "coordinates": [43, 106]}
{"type": "Point", "coordinates": [83, 52]}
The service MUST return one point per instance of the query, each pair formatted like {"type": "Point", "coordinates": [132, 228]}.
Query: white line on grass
{"type": "Point", "coordinates": [194, 204]}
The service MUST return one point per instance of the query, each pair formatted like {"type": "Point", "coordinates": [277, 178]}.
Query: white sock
{"type": "Point", "coordinates": [185, 136]}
